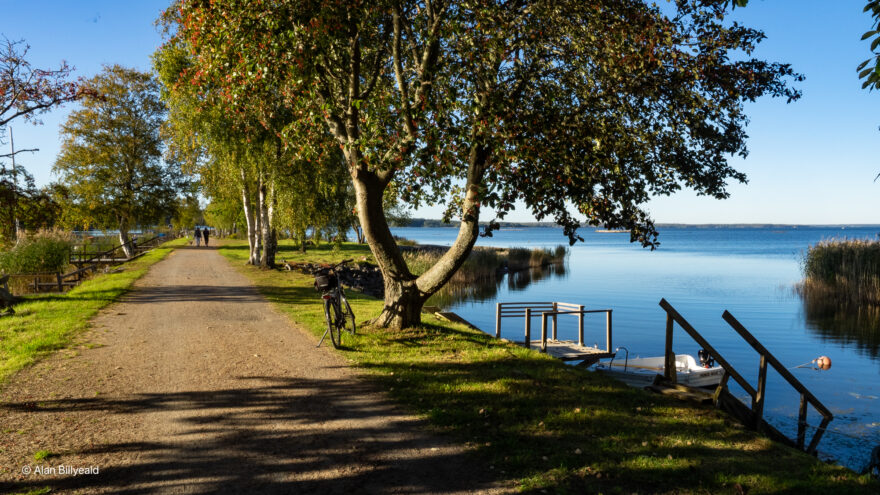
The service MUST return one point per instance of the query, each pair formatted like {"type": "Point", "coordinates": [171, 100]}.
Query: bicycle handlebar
{"type": "Point", "coordinates": [332, 267]}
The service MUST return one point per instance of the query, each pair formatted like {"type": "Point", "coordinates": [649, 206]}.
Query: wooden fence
{"type": "Point", "coordinates": [85, 262]}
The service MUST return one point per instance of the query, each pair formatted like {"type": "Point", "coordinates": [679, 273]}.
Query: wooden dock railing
{"type": "Point", "coordinates": [529, 310]}
{"type": "Point", "coordinates": [754, 416]}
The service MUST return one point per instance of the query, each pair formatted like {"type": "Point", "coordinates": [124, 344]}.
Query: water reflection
{"type": "Point", "coordinates": [487, 287]}
{"type": "Point", "coordinates": [857, 326]}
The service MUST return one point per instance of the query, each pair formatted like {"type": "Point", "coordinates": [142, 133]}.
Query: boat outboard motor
{"type": "Point", "coordinates": [706, 359]}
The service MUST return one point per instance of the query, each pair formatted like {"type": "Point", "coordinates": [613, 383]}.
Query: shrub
{"type": "Point", "coordinates": [44, 251]}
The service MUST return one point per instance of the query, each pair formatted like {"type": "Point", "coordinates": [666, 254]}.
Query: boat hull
{"type": "Point", "coordinates": [641, 372]}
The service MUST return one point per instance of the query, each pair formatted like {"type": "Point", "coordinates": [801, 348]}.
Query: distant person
{"type": "Point", "coordinates": [197, 237]}
{"type": "Point", "coordinates": [205, 235]}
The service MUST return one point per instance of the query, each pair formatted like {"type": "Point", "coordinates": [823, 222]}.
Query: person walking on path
{"type": "Point", "coordinates": [197, 236]}
{"type": "Point", "coordinates": [205, 235]}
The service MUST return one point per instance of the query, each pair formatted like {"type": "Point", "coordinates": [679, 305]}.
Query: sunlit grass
{"type": "Point", "coordinates": [529, 418]}
{"type": "Point", "coordinates": [44, 323]}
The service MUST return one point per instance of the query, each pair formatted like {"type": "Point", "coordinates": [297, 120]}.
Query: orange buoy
{"type": "Point", "coordinates": [823, 362]}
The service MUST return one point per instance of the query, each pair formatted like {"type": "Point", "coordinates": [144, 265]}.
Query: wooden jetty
{"type": "Point", "coordinates": [566, 350]}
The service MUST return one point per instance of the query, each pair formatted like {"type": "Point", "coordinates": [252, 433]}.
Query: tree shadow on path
{"type": "Point", "coordinates": [272, 435]}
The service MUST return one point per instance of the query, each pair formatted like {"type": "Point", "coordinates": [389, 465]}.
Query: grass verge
{"type": "Point", "coordinates": [545, 425]}
{"type": "Point", "coordinates": [44, 323]}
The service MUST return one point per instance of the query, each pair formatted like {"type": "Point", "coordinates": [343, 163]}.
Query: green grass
{"type": "Point", "coordinates": [548, 426]}
{"type": "Point", "coordinates": [42, 455]}
{"type": "Point", "coordinates": [44, 323]}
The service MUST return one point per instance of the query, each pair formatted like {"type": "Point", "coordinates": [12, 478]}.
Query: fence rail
{"type": "Point", "coordinates": [37, 282]}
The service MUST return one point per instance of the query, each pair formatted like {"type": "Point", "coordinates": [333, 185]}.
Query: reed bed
{"type": "Point", "coordinates": [842, 272]}
{"type": "Point", "coordinates": [485, 263]}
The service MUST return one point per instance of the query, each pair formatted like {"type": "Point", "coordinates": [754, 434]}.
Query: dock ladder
{"type": "Point", "coordinates": [751, 416]}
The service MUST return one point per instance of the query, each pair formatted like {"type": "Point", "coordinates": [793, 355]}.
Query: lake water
{"type": "Point", "coordinates": [750, 272]}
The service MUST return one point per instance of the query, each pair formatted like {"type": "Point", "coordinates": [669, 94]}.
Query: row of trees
{"type": "Point", "coordinates": [577, 109]}
{"type": "Point", "coordinates": [125, 157]}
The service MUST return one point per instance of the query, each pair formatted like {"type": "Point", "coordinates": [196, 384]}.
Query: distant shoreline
{"type": "Point", "coordinates": [432, 223]}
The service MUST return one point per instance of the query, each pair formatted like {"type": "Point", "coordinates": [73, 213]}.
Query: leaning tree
{"type": "Point", "coordinates": [110, 162]}
{"type": "Point", "coordinates": [574, 108]}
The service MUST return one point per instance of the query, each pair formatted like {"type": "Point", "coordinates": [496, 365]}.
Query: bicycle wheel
{"type": "Point", "coordinates": [348, 317]}
{"type": "Point", "coordinates": [331, 312]}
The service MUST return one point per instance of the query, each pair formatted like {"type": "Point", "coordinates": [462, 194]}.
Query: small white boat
{"type": "Point", "coordinates": [640, 372]}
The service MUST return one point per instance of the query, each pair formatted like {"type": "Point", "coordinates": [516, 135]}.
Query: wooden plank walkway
{"type": "Point", "coordinates": [569, 350]}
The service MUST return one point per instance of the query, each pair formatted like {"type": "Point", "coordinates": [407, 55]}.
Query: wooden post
{"type": "Point", "coordinates": [721, 388]}
{"type": "Point", "coordinates": [608, 331]}
{"type": "Point", "coordinates": [811, 449]}
{"type": "Point", "coordinates": [60, 285]}
{"type": "Point", "coordinates": [555, 309]}
{"type": "Point", "coordinates": [528, 327]}
{"type": "Point", "coordinates": [498, 321]}
{"type": "Point", "coordinates": [581, 325]}
{"type": "Point", "coordinates": [544, 331]}
{"type": "Point", "coordinates": [36, 284]}
{"type": "Point", "coordinates": [802, 423]}
{"type": "Point", "coordinates": [758, 398]}
{"type": "Point", "coordinates": [669, 364]}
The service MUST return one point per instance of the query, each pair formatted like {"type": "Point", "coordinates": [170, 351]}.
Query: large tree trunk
{"type": "Point", "coordinates": [405, 294]}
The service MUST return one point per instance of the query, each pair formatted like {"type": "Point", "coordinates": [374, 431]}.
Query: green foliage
{"type": "Point", "coordinates": [869, 70]}
{"type": "Point", "coordinates": [483, 263]}
{"type": "Point", "coordinates": [110, 161]}
{"type": "Point", "coordinates": [594, 106]}
{"type": "Point", "coordinates": [538, 107]}
{"type": "Point", "coordinates": [224, 214]}
{"type": "Point", "coordinates": [188, 213]}
{"type": "Point", "coordinates": [21, 199]}
{"type": "Point", "coordinates": [46, 251]}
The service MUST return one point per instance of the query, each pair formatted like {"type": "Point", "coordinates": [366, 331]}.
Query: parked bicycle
{"type": "Point", "coordinates": [337, 311]}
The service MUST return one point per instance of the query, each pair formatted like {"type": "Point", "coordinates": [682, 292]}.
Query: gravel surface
{"type": "Point", "coordinates": [194, 384]}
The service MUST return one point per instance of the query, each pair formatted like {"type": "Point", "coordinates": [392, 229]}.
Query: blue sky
{"type": "Point", "coordinates": [811, 162]}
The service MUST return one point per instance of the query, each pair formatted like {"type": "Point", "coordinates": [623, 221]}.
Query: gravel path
{"type": "Point", "coordinates": [194, 384]}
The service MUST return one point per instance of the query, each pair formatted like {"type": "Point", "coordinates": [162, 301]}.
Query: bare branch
{"type": "Point", "coordinates": [10, 155]}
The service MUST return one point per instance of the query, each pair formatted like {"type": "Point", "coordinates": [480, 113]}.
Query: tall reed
{"type": "Point", "coordinates": [842, 271]}
{"type": "Point", "coordinates": [484, 263]}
